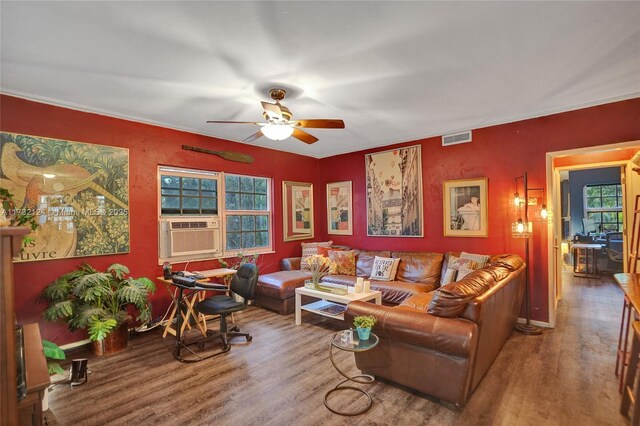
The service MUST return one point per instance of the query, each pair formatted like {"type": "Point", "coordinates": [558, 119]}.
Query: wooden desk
{"type": "Point", "coordinates": [630, 284]}
{"type": "Point", "coordinates": [200, 320]}
{"type": "Point", "coordinates": [30, 408]}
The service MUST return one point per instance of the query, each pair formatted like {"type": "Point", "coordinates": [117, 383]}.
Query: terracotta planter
{"type": "Point", "coordinates": [116, 341]}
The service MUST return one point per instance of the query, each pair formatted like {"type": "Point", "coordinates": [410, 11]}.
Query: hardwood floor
{"type": "Point", "coordinates": [564, 377]}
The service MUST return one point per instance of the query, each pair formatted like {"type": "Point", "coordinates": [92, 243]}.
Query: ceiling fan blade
{"type": "Point", "coordinates": [272, 110]}
{"type": "Point", "coordinates": [321, 124]}
{"type": "Point", "coordinates": [254, 136]}
{"type": "Point", "coordinates": [304, 136]}
{"type": "Point", "coordinates": [232, 122]}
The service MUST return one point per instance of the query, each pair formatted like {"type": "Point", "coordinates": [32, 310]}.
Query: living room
{"type": "Point", "coordinates": [78, 79]}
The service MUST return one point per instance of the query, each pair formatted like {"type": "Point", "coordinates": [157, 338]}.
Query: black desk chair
{"type": "Point", "coordinates": [243, 284]}
{"type": "Point", "coordinates": [614, 251]}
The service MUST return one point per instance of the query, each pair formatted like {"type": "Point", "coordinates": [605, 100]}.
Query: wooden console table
{"type": "Point", "coordinates": [30, 408]}
{"type": "Point", "coordinates": [630, 284]}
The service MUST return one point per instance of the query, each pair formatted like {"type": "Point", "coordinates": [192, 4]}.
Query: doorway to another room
{"type": "Point", "coordinates": [593, 195]}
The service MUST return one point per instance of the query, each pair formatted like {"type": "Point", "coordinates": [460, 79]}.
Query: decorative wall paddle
{"type": "Point", "coordinates": [227, 155]}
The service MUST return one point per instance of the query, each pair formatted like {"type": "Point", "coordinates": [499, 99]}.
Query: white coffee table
{"type": "Point", "coordinates": [327, 298]}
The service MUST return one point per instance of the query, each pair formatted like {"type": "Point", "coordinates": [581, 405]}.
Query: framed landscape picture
{"type": "Point", "coordinates": [339, 208]}
{"type": "Point", "coordinates": [465, 208]}
{"type": "Point", "coordinates": [394, 193]}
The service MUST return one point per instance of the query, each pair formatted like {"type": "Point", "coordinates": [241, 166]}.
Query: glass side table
{"type": "Point", "coordinates": [356, 345]}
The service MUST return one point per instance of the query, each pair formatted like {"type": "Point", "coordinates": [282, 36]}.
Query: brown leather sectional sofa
{"type": "Point", "coordinates": [417, 273]}
{"type": "Point", "coordinates": [442, 343]}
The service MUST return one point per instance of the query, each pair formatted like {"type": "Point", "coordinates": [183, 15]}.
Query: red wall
{"type": "Point", "coordinates": [149, 146]}
{"type": "Point", "coordinates": [499, 153]}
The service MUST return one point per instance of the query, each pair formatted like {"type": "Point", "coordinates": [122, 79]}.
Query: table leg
{"type": "Point", "coordinates": [361, 378]}
{"type": "Point", "coordinates": [298, 309]}
{"type": "Point", "coordinates": [623, 353]}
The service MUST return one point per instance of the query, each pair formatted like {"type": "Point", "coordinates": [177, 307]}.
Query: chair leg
{"type": "Point", "coordinates": [630, 391]}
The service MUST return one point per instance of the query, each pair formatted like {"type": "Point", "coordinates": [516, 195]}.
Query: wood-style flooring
{"type": "Point", "coordinates": [564, 377]}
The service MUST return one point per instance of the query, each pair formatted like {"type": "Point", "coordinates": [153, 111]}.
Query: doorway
{"type": "Point", "coordinates": [592, 192]}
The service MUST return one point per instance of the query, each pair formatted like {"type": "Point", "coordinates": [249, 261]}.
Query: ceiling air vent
{"type": "Point", "coordinates": [456, 138]}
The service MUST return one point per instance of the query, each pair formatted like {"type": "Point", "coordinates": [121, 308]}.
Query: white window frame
{"type": "Point", "coordinates": [268, 212]}
{"type": "Point", "coordinates": [191, 173]}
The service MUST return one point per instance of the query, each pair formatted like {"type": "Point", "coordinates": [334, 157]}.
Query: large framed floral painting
{"type": "Point", "coordinates": [78, 193]}
{"type": "Point", "coordinates": [394, 193]}
{"type": "Point", "coordinates": [465, 208]}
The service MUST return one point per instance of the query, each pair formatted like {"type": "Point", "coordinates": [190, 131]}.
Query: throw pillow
{"type": "Point", "coordinates": [345, 261]}
{"type": "Point", "coordinates": [463, 271]}
{"type": "Point", "coordinates": [449, 276]}
{"type": "Point", "coordinates": [481, 259]}
{"type": "Point", "coordinates": [457, 262]}
{"type": "Point", "coordinates": [309, 249]}
{"type": "Point", "coordinates": [324, 251]}
{"type": "Point", "coordinates": [384, 268]}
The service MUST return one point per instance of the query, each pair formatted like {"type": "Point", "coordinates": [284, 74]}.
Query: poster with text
{"type": "Point", "coordinates": [78, 193]}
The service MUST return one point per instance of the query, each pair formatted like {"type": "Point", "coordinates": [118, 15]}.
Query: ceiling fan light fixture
{"type": "Point", "coordinates": [277, 132]}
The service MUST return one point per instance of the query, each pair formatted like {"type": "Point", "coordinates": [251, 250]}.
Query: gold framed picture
{"type": "Point", "coordinates": [465, 212]}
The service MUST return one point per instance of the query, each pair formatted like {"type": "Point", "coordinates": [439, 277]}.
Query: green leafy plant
{"type": "Point", "coordinates": [98, 301]}
{"type": "Point", "coordinates": [364, 321]}
{"type": "Point", "coordinates": [238, 260]}
{"type": "Point", "coordinates": [15, 216]}
{"type": "Point", "coordinates": [53, 352]}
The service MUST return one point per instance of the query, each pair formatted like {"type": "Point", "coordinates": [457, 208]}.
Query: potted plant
{"type": "Point", "coordinates": [99, 302]}
{"type": "Point", "coordinates": [363, 325]}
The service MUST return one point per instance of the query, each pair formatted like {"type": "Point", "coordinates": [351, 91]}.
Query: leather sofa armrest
{"type": "Point", "coordinates": [290, 263]}
{"type": "Point", "coordinates": [452, 336]}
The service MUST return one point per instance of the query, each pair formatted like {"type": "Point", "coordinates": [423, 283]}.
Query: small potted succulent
{"type": "Point", "coordinates": [363, 324]}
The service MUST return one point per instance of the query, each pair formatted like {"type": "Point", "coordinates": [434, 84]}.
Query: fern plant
{"type": "Point", "coordinates": [98, 301]}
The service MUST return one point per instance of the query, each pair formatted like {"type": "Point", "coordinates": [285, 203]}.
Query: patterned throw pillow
{"type": "Point", "coordinates": [463, 271]}
{"type": "Point", "coordinates": [384, 269]}
{"type": "Point", "coordinates": [345, 261]}
{"type": "Point", "coordinates": [457, 262]}
{"type": "Point", "coordinates": [449, 276]}
{"type": "Point", "coordinates": [309, 249]}
{"type": "Point", "coordinates": [481, 259]}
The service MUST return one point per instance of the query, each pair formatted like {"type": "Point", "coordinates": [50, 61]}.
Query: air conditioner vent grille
{"type": "Point", "coordinates": [456, 138]}
{"type": "Point", "coordinates": [188, 225]}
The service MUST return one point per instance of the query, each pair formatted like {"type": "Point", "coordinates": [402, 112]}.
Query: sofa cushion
{"type": "Point", "coordinates": [345, 261]}
{"type": "Point", "coordinates": [397, 291]}
{"type": "Point", "coordinates": [422, 268]}
{"type": "Point", "coordinates": [509, 261]}
{"type": "Point", "coordinates": [364, 261]}
{"type": "Point", "coordinates": [384, 268]}
{"type": "Point", "coordinates": [290, 263]}
{"type": "Point", "coordinates": [419, 301]}
{"type": "Point", "coordinates": [309, 249]}
{"type": "Point", "coordinates": [451, 299]}
{"type": "Point", "coordinates": [282, 284]}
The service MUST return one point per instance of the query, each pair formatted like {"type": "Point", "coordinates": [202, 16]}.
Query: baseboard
{"type": "Point", "coordinates": [75, 345]}
{"type": "Point", "coordinates": [534, 322]}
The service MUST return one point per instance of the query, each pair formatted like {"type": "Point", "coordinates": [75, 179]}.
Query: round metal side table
{"type": "Point", "coordinates": [356, 345]}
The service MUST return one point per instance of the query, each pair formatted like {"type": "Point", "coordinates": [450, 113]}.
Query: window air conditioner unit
{"type": "Point", "coordinates": [189, 236]}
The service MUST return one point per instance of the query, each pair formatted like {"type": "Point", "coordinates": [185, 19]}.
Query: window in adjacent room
{"type": "Point", "coordinates": [247, 211]}
{"type": "Point", "coordinates": [603, 204]}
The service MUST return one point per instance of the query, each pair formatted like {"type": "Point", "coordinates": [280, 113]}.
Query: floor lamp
{"type": "Point", "coordinates": [523, 229]}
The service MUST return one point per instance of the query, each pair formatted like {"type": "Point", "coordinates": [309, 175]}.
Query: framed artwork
{"type": "Point", "coordinates": [394, 193]}
{"type": "Point", "coordinates": [465, 208]}
{"type": "Point", "coordinates": [339, 208]}
{"type": "Point", "coordinates": [78, 193]}
{"type": "Point", "coordinates": [297, 217]}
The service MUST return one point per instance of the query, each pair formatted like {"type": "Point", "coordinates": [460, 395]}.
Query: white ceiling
{"type": "Point", "coordinates": [393, 71]}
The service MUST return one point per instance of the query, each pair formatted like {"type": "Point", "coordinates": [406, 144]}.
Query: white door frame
{"type": "Point", "coordinates": [554, 256]}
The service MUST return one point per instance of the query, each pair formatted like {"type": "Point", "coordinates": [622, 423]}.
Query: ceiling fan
{"type": "Point", "coordinates": [280, 125]}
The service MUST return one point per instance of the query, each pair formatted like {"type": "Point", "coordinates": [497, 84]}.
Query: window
{"type": "Point", "coordinates": [247, 210]}
{"type": "Point", "coordinates": [603, 204]}
{"type": "Point", "coordinates": [188, 192]}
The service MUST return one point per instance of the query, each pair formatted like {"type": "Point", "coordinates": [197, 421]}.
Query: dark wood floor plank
{"type": "Point", "coordinates": [563, 377]}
